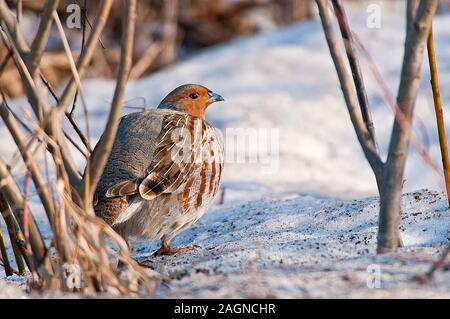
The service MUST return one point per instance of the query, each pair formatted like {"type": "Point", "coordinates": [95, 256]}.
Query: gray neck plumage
{"type": "Point", "coordinates": [171, 106]}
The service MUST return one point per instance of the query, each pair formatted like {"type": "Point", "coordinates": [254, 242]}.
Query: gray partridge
{"type": "Point", "coordinates": [164, 169]}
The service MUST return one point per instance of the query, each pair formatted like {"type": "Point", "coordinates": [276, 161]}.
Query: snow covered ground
{"type": "Point", "coordinates": [304, 246]}
{"type": "Point", "coordinates": [299, 246]}
{"type": "Point", "coordinates": [308, 228]}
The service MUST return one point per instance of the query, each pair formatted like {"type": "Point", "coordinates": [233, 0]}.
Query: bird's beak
{"type": "Point", "coordinates": [214, 97]}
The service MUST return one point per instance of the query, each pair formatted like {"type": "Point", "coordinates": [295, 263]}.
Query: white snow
{"type": "Point", "coordinates": [303, 230]}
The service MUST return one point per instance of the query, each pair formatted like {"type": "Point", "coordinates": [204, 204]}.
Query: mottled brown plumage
{"type": "Point", "coordinates": [164, 169]}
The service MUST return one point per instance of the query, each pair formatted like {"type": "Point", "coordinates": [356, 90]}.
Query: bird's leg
{"type": "Point", "coordinates": [167, 250]}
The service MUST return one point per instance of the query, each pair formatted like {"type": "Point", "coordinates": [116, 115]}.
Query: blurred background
{"type": "Point", "coordinates": [166, 31]}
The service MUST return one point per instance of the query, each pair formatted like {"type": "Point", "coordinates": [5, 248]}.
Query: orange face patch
{"type": "Point", "coordinates": [195, 100]}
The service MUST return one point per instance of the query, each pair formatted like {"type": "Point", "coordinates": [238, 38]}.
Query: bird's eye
{"type": "Point", "coordinates": [193, 96]}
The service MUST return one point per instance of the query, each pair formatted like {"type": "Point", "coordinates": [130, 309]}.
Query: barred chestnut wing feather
{"type": "Point", "coordinates": [125, 188]}
{"type": "Point", "coordinates": [174, 160]}
{"type": "Point", "coordinates": [176, 156]}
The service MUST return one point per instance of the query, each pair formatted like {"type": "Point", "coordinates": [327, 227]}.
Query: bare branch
{"type": "Point", "coordinates": [80, 134]}
{"type": "Point", "coordinates": [49, 87]}
{"type": "Point", "coordinates": [87, 53]}
{"type": "Point", "coordinates": [170, 26]}
{"type": "Point", "coordinates": [78, 80]}
{"type": "Point", "coordinates": [12, 194]}
{"type": "Point", "coordinates": [19, 11]}
{"type": "Point", "coordinates": [72, 121]}
{"type": "Point", "coordinates": [361, 131]}
{"type": "Point", "coordinates": [27, 80]}
{"type": "Point", "coordinates": [438, 111]}
{"type": "Point", "coordinates": [146, 60]}
{"type": "Point", "coordinates": [425, 278]}
{"type": "Point", "coordinates": [5, 61]}
{"type": "Point", "coordinates": [12, 26]}
{"type": "Point", "coordinates": [74, 144]}
{"type": "Point", "coordinates": [15, 236]}
{"type": "Point", "coordinates": [4, 254]}
{"type": "Point", "coordinates": [42, 34]}
{"type": "Point", "coordinates": [347, 37]}
{"type": "Point", "coordinates": [26, 222]}
{"type": "Point", "coordinates": [38, 180]}
{"type": "Point", "coordinates": [411, 6]}
{"type": "Point", "coordinates": [67, 49]}
{"type": "Point", "coordinates": [36, 99]}
{"type": "Point", "coordinates": [83, 43]}
{"type": "Point", "coordinates": [420, 149]}
{"type": "Point", "coordinates": [103, 148]}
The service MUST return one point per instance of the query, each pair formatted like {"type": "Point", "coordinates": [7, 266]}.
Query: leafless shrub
{"type": "Point", "coordinates": [77, 258]}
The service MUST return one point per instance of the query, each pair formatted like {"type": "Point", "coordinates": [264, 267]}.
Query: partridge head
{"type": "Point", "coordinates": [190, 98]}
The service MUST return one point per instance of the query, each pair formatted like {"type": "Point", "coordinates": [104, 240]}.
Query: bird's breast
{"type": "Point", "coordinates": [200, 189]}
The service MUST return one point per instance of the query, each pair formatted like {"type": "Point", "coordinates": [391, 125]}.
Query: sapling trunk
{"type": "Point", "coordinates": [393, 172]}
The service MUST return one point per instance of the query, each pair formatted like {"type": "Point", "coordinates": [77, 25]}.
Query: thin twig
{"type": "Point", "coordinates": [83, 40]}
{"type": "Point", "coordinates": [18, 118]}
{"type": "Point", "coordinates": [146, 60]}
{"type": "Point", "coordinates": [13, 196]}
{"type": "Point", "coordinates": [19, 11]}
{"type": "Point", "coordinates": [38, 180]}
{"type": "Point", "coordinates": [360, 128]}
{"type": "Point", "coordinates": [12, 25]}
{"type": "Point", "coordinates": [15, 235]}
{"type": "Point", "coordinates": [80, 134]}
{"type": "Point", "coordinates": [73, 67]}
{"type": "Point", "coordinates": [49, 87]}
{"type": "Point", "coordinates": [37, 100]}
{"type": "Point", "coordinates": [90, 25]}
{"type": "Point", "coordinates": [103, 148]}
{"type": "Point", "coordinates": [399, 116]}
{"type": "Point", "coordinates": [79, 149]}
{"type": "Point", "coordinates": [71, 119]}
{"type": "Point", "coordinates": [438, 110]}
{"type": "Point", "coordinates": [27, 79]}
{"type": "Point", "coordinates": [5, 61]}
{"type": "Point", "coordinates": [25, 126]}
{"type": "Point", "coordinates": [87, 54]}
{"type": "Point", "coordinates": [26, 224]}
{"type": "Point", "coordinates": [425, 278]}
{"type": "Point", "coordinates": [5, 259]}
{"type": "Point", "coordinates": [61, 176]}
{"type": "Point", "coordinates": [355, 67]}
{"type": "Point", "coordinates": [42, 34]}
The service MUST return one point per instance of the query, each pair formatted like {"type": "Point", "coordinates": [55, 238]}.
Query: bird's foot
{"type": "Point", "coordinates": [166, 250]}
